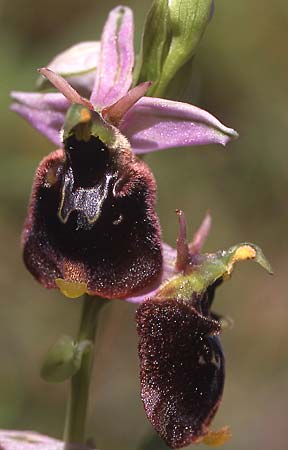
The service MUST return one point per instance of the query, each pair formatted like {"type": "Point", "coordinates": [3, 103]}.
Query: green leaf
{"type": "Point", "coordinates": [63, 359]}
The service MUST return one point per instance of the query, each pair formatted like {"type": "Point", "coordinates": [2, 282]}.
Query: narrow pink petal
{"type": "Point", "coordinates": [116, 112]}
{"type": "Point", "coordinates": [64, 87]}
{"type": "Point", "coordinates": [182, 245]}
{"type": "Point", "coordinates": [200, 235]}
{"type": "Point", "coordinates": [45, 112]}
{"type": "Point", "coordinates": [169, 258]}
{"type": "Point", "coordinates": [114, 72]}
{"type": "Point", "coordinates": [155, 124]}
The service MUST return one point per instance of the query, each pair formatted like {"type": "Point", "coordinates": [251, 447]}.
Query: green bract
{"type": "Point", "coordinates": [155, 44]}
{"type": "Point", "coordinates": [172, 32]}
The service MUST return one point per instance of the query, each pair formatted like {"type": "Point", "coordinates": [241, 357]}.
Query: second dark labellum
{"type": "Point", "coordinates": [182, 366]}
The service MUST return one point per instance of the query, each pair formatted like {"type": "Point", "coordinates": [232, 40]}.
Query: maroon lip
{"type": "Point", "coordinates": [91, 220]}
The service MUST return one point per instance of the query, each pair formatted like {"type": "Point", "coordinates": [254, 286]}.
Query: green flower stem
{"type": "Point", "coordinates": [77, 406]}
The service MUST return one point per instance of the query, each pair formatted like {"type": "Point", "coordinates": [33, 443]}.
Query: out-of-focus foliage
{"type": "Point", "coordinates": [240, 75]}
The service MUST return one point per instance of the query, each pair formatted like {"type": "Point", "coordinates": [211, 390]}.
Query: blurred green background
{"type": "Point", "coordinates": [241, 70]}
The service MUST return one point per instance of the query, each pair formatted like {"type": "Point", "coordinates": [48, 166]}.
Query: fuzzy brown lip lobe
{"type": "Point", "coordinates": [181, 369]}
{"type": "Point", "coordinates": [111, 242]}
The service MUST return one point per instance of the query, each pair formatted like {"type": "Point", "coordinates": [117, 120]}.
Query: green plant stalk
{"type": "Point", "coordinates": [74, 431]}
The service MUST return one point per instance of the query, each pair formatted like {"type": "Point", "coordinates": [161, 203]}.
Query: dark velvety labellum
{"type": "Point", "coordinates": [181, 369]}
{"type": "Point", "coordinates": [91, 219]}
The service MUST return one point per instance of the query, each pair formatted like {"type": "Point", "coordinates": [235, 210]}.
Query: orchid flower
{"type": "Point", "coordinates": [64, 251]}
{"type": "Point", "coordinates": [182, 365]}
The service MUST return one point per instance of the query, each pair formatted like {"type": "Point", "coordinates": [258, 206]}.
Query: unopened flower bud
{"type": "Point", "coordinates": [188, 21]}
{"type": "Point", "coordinates": [155, 44]}
{"type": "Point", "coordinates": [172, 33]}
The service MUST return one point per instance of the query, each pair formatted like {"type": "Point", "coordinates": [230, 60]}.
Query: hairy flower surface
{"type": "Point", "coordinates": [182, 365]}
{"type": "Point", "coordinates": [91, 225]}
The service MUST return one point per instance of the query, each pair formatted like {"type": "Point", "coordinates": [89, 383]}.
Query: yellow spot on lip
{"type": "Point", "coordinates": [85, 115]}
{"type": "Point", "coordinates": [71, 289]}
{"type": "Point", "coordinates": [217, 438]}
{"type": "Point", "coordinates": [244, 252]}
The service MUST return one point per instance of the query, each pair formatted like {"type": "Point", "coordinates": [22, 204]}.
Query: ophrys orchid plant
{"type": "Point", "coordinates": [92, 227]}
